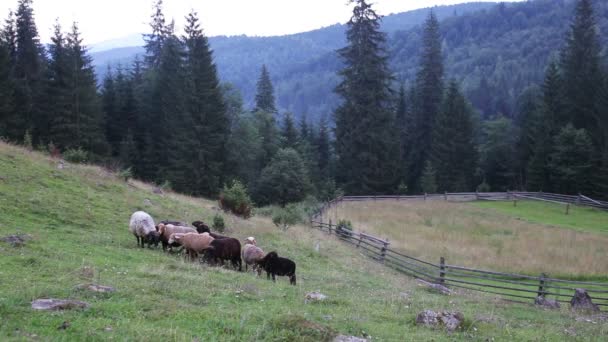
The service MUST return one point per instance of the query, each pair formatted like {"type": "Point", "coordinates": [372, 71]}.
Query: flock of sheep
{"type": "Point", "coordinates": [214, 248]}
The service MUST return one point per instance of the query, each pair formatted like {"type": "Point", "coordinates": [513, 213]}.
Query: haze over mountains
{"type": "Point", "coordinates": [494, 50]}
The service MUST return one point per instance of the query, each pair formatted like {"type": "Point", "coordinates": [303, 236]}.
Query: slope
{"type": "Point", "coordinates": [77, 219]}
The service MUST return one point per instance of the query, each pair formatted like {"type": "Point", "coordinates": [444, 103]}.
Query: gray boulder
{"type": "Point", "coordinates": [446, 319]}
{"type": "Point", "coordinates": [582, 302]}
{"type": "Point", "coordinates": [546, 303]}
{"type": "Point", "coordinates": [51, 304]}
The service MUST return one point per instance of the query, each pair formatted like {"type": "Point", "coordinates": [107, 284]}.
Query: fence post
{"type": "Point", "coordinates": [383, 251]}
{"type": "Point", "coordinates": [360, 238]}
{"type": "Point", "coordinates": [329, 226]}
{"type": "Point", "coordinates": [476, 195]}
{"type": "Point", "coordinates": [567, 208]}
{"type": "Point", "coordinates": [578, 199]}
{"type": "Point", "coordinates": [442, 270]}
{"type": "Point", "coordinates": [515, 202]}
{"type": "Point", "coordinates": [445, 195]}
{"type": "Point", "coordinates": [508, 195]}
{"type": "Point", "coordinates": [541, 286]}
{"type": "Point", "coordinates": [425, 196]}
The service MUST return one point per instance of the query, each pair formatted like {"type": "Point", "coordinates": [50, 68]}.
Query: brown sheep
{"type": "Point", "coordinates": [194, 243]}
{"type": "Point", "coordinates": [252, 254]}
{"type": "Point", "coordinates": [166, 230]}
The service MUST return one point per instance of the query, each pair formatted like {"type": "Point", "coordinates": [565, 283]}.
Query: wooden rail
{"type": "Point", "coordinates": [520, 288]}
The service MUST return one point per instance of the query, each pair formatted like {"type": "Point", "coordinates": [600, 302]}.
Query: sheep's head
{"type": "Point", "coordinates": [201, 227]}
{"type": "Point", "coordinates": [271, 255]}
{"type": "Point", "coordinates": [160, 228]}
{"type": "Point", "coordinates": [153, 238]}
{"type": "Point", "coordinates": [175, 238]}
{"type": "Point", "coordinates": [251, 240]}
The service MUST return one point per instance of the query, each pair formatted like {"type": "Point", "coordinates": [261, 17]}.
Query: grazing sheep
{"type": "Point", "coordinates": [275, 265]}
{"type": "Point", "coordinates": [142, 226]}
{"type": "Point", "coordinates": [201, 227]}
{"type": "Point", "coordinates": [193, 243]}
{"type": "Point", "coordinates": [224, 249]}
{"type": "Point", "coordinates": [175, 223]}
{"type": "Point", "coordinates": [166, 230]}
{"type": "Point", "coordinates": [252, 254]}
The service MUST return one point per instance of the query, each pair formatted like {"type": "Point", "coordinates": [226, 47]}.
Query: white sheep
{"type": "Point", "coordinates": [194, 243]}
{"type": "Point", "coordinates": [142, 226]}
{"type": "Point", "coordinates": [252, 254]}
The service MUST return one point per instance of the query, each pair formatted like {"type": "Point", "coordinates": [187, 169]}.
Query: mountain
{"type": "Point", "coordinates": [496, 51]}
{"type": "Point", "coordinates": [309, 55]}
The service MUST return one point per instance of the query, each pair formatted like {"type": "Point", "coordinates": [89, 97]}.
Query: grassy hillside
{"type": "Point", "coordinates": [474, 236]}
{"type": "Point", "coordinates": [77, 218]}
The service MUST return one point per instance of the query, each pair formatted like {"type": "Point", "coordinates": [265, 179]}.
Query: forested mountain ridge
{"type": "Point", "coordinates": [494, 50]}
{"type": "Point", "coordinates": [302, 66]}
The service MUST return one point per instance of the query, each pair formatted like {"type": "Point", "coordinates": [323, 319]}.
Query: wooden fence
{"type": "Point", "coordinates": [513, 287]}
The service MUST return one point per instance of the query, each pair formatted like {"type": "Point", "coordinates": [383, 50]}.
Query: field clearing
{"type": "Point", "coordinates": [473, 236]}
{"type": "Point", "coordinates": [579, 218]}
{"type": "Point", "coordinates": [77, 218]}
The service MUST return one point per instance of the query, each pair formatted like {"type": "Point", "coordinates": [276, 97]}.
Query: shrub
{"type": "Point", "coordinates": [286, 217]}
{"type": "Point", "coordinates": [27, 141]}
{"type": "Point", "coordinates": [483, 187]}
{"type": "Point", "coordinates": [344, 227]}
{"type": "Point", "coordinates": [77, 156]}
{"type": "Point", "coordinates": [165, 186]}
{"type": "Point", "coordinates": [235, 199]}
{"type": "Point", "coordinates": [126, 174]}
{"type": "Point", "coordinates": [218, 223]}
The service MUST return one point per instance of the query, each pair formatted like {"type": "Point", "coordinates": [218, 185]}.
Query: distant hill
{"type": "Point", "coordinates": [495, 50]}
{"type": "Point", "coordinates": [308, 55]}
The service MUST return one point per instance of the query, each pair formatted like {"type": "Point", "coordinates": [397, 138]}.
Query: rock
{"type": "Point", "coordinates": [343, 338]}
{"type": "Point", "coordinates": [58, 304]}
{"type": "Point", "coordinates": [314, 297]}
{"type": "Point", "coordinates": [96, 288]}
{"type": "Point", "coordinates": [449, 320]}
{"type": "Point", "coordinates": [17, 240]}
{"type": "Point", "coordinates": [582, 302]}
{"type": "Point", "coordinates": [435, 287]}
{"type": "Point", "coordinates": [147, 202]}
{"type": "Point", "coordinates": [546, 303]}
{"type": "Point", "coordinates": [157, 191]}
{"type": "Point", "coordinates": [60, 165]}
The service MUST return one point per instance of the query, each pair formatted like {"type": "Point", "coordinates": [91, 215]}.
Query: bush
{"type": "Point", "coordinates": [27, 141]}
{"type": "Point", "coordinates": [286, 217]}
{"type": "Point", "coordinates": [235, 199]}
{"type": "Point", "coordinates": [78, 156]}
{"type": "Point", "coordinates": [126, 174]}
{"type": "Point", "coordinates": [344, 227]}
{"type": "Point", "coordinates": [483, 187]}
{"type": "Point", "coordinates": [218, 223]}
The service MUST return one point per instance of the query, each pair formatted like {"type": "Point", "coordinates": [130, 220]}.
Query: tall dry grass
{"type": "Point", "coordinates": [469, 236]}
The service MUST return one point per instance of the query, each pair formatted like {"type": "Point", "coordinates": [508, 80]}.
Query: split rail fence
{"type": "Point", "coordinates": [513, 287]}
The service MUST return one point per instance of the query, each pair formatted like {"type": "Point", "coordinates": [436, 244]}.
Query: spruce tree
{"type": "Point", "coordinates": [61, 130]}
{"type": "Point", "coordinates": [404, 123]}
{"type": "Point", "coordinates": [452, 151]}
{"type": "Point", "coordinates": [6, 88]}
{"type": "Point", "coordinates": [497, 154]}
{"type": "Point", "coordinates": [109, 99]}
{"type": "Point", "coordinates": [284, 180]}
{"type": "Point", "coordinates": [207, 108]}
{"type": "Point", "coordinates": [572, 161]}
{"type": "Point", "coordinates": [580, 63]}
{"type": "Point", "coordinates": [428, 180]}
{"type": "Point", "coordinates": [323, 146]}
{"type": "Point", "coordinates": [8, 36]}
{"type": "Point", "coordinates": [264, 98]}
{"type": "Point", "coordinates": [289, 132]}
{"type": "Point", "coordinates": [28, 75]}
{"type": "Point", "coordinates": [428, 89]}
{"type": "Point", "coordinates": [366, 136]}
{"type": "Point", "coordinates": [154, 41]}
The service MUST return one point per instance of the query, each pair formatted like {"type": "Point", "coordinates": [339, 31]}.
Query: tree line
{"type": "Point", "coordinates": [168, 119]}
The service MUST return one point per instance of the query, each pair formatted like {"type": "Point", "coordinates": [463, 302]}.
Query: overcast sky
{"type": "Point", "coordinates": [101, 20]}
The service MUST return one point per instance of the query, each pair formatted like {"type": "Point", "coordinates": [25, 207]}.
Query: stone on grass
{"type": "Point", "coordinates": [157, 191]}
{"type": "Point", "coordinates": [546, 303]}
{"type": "Point", "coordinates": [314, 297]}
{"type": "Point", "coordinates": [343, 338]}
{"type": "Point", "coordinates": [17, 240]}
{"type": "Point", "coordinates": [96, 288]}
{"type": "Point", "coordinates": [582, 302]}
{"type": "Point", "coordinates": [52, 304]}
{"type": "Point", "coordinates": [447, 319]}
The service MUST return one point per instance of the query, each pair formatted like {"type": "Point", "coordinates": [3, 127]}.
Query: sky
{"type": "Point", "coordinates": [102, 20]}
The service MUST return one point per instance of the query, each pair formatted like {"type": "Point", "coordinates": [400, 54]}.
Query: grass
{"type": "Point", "coordinates": [582, 219]}
{"type": "Point", "coordinates": [474, 236]}
{"type": "Point", "coordinates": [78, 216]}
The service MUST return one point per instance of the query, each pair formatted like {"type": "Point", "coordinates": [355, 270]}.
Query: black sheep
{"type": "Point", "coordinates": [275, 265]}
{"type": "Point", "coordinates": [201, 227]}
{"type": "Point", "coordinates": [224, 249]}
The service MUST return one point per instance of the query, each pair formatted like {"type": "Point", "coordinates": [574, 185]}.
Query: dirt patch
{"type": "Point", "coordinates": [17, 240]}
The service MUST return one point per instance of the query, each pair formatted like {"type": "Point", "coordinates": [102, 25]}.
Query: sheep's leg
{"type": "Point", "coordinates": [245, 267]}
{"type": "Point", "coordinates": [292, 279]}
{"type": "Point", "coordinates": [273, 278]}
{"type": "Point", "coordinates": [267, 275]}
{"type": "Point", "coordinates": [137, 238]}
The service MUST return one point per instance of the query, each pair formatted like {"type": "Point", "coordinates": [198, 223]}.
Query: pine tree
{"type": "Point", "coordinates": [206, 105]}
{"type": "Point", "coordinates": [109, 99]}
{"type": "Point", "coordinates": [365, 124]}
{"type": "Point", "coordinates": [580, 63]}
{"type": "Point", "coordinates": [427, 101]}
{"type": "Point", "coordinates": [9, 37]}
{"type": "Point", "coordinates": [289, 133]}
{"type": "Point", "coordinates": [284, 180]}
{"type": "Point", "coordinates": [428, 180]}
{"type": "Point", "coordinates": [572, 161]}
{"type": "Point", "coordinates": [266, 126]}
{"type": "Point", "coordinates": [497, 154]}
{"type": "Point", "coordinates": [264, 98]}
{"type": "Point", "coordinates": [61, 130]}
{"type": "Point", "coordinates": [154, 41]}
{"type": "Point", "coordinates": [129, 153]}
{"type": "Point", "coordinates": [323, 151]}
{"type": "Point", "coordinates": [453, 152]}
{"type": "Point", "coordinates": [6, 88]}
{"type": "Point", "coordinates": [244, 151]}
{"type": "Point", "coordinates": [404, 123]}
{"type": "Point", "coordinates": [28, 74]}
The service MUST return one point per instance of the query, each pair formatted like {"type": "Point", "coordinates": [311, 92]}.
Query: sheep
{"type": "Point", "coordinates": [193, 243]}
{"type": "Point", "coordinates": [175, 223]}
{"type": "Point", "coordinates": [275, 265]}
{"type": "Point", "coordinates": [142, 226]}
{"type": "Point", "coordinates": [201, 227]}
{"type": "Point", "coordinates": [252, 254]}
{"type": "Point", "coordinates": [165, 231]}
{"type": "Point", "coordinates": [225, 249]}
